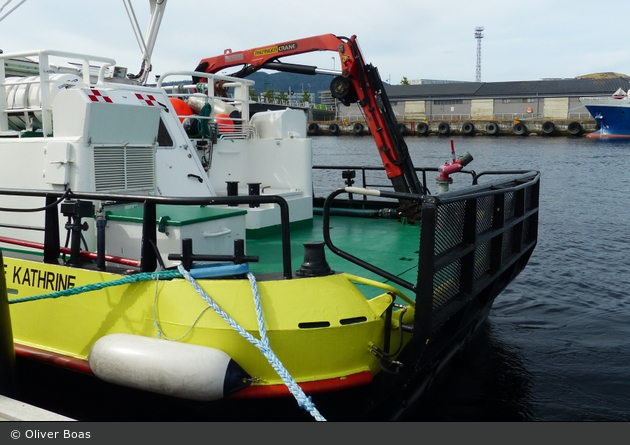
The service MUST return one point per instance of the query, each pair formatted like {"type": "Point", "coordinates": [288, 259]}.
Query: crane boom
{"type": "Point", "coordinates": [356, 82]}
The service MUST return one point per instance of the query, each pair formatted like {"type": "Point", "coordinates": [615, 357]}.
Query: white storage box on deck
{"type": "Point", "coordinates": [280, 124]}
{"type": "Point", "coordinates": [212, 230]}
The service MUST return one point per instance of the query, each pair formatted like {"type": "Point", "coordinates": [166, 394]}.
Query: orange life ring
{"type": "Point", "coordinates": [181, 108]}
{"type": "Point", "coordinates": [226, 125]}
{"type": "Point", "coordinates": [530, 110]}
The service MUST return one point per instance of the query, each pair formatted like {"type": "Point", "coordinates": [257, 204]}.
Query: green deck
{"type": "Point", "coordinates": [385, 243]}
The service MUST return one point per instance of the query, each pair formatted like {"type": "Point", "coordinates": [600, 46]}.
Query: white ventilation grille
{"type": "Point", "coordinates": [124, 168]}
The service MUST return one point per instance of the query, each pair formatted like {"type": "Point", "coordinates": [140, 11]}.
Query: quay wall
{"type": "Point", "coordinates": [497, 127]}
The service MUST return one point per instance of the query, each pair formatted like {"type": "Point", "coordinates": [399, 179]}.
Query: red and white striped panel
{"type": "Point", "coordinates": [98, 96]}
{"type": "Point", "coordinates": [147, 99]}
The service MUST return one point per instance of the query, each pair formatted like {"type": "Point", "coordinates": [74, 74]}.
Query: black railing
{"type": "Point", "coordinates": [148, 256]}
{"type": "Point", "coordinates": [473, 242]}
{"type": "Point", "coordinates": [482, 238]}
{"type": "Point", "coordinates": [365, 180]}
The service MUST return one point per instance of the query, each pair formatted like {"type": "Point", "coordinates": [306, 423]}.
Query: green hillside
{"type": "Point", "coordinates": [297, 83]}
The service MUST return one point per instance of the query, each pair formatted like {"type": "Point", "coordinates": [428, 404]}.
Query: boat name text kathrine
{"type": "Point", "coordinates": [41, 279]}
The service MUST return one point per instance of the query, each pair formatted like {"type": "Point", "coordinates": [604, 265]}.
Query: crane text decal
{"type": "Point", "coordinates": [275, 49]}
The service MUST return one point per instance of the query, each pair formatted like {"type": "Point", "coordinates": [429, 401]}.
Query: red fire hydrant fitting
{"type": "Point", "coordinates": [453, 167]}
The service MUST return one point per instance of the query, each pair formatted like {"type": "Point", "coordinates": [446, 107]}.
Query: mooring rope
{"type": "Point", "coordinates": [156, 322]}
{"type": "Point", "coordinates": [263, 344]}
{"type": "Point", "coordinates": [145, 276]}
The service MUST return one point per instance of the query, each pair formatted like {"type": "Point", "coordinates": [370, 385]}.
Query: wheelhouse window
{"type": "Point", "coordinates": [164, 138]}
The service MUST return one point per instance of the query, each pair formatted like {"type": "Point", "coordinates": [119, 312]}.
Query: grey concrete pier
{"type": "Point", "coordinates": [525, 127]}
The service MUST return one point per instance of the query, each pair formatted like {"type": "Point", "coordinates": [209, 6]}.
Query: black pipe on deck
{"type": "Point", "coordinates": [7, 351]}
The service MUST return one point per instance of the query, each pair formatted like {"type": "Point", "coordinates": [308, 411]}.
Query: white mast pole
{"type": "Point", "coordinates": [148, 43]}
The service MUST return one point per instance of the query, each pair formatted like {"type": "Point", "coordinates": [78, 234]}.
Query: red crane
{"type": "Point", "coordinates": [356, 82]}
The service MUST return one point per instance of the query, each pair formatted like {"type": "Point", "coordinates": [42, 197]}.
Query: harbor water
{"type": "Point", "coordinates": [556, 344]}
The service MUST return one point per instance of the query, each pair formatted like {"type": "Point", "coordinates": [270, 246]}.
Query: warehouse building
{"type": "Point", "coordinates": [547, 106]}
{"type": "Point", "coordinates": [542, 99]}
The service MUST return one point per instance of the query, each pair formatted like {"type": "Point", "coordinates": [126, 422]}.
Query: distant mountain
{"type": "Point", "coordinates": [296, 82]}
{"type": "Point", "coordinates": [280, 81]}
{"type": "Point", "coordinates": [283, 81]}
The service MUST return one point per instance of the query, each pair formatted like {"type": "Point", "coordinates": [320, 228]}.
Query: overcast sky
{"type": "Point", "coordinates": [417, 39]}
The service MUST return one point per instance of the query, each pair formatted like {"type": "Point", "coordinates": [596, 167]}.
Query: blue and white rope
{"type": "Point", "coordinates": [263, 344]}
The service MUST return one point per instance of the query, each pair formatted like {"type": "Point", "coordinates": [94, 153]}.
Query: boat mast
{"type": "Point", "coordinates": [147, 43]}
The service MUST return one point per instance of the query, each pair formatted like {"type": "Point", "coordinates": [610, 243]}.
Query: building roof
{"type": "Point", "coordinates": [583, 86]}
{"type": "Point", "coordinates": [434, 90]}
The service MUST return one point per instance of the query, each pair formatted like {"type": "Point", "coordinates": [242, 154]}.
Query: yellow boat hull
{"type": "Point", "coordinates": [321, 329]}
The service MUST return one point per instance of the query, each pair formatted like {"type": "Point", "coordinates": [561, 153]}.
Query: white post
{"type": "Point", "coordinates": [44, 90]}
{"type": "Point", "coordinates": [4, 118]}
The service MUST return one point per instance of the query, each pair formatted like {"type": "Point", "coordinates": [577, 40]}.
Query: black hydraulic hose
{"type": "Point", "coordinates": [158, 256]}
{"type": "Point", "coordinates": [85, 246]}
{"type": "Point", "coordinates": [400, 146]}
{"type": "Point", "coordinates": [400, 332]}
{"type": "Point", "coordinates": [39, 209]}
{"type": "Point", "coordinates": [291, 68]}
{"type": "Point", "coordinates": [382, 361]}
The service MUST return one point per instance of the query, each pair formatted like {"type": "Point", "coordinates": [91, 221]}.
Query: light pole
{"type": "Point", "coordinates": [478, 36]}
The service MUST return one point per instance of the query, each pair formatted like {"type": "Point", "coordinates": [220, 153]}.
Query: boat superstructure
{"type": "Point", "coordinates": [125, 138]}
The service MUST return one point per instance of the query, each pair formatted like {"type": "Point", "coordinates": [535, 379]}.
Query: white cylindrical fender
{"type": "Point", "coordinates": [221, 107]}
{"type": "Point", "coordinates": [198, 100]}
{"type": "Point", "coordinates": [166, 367]}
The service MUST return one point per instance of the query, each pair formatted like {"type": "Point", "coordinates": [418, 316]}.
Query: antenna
{"type": "Point", "coordinates": [478, 36]}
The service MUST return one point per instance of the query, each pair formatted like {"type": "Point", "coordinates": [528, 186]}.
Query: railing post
{"type": "Point", "coordinates": [498, 221]}
{"type": "Point", "coordinates": [422, 325]}
{"type": "Point", "coordinates": [148, 257]}
{"type": "Point", "coordinates": [4, 115]}
{"type": "Point", "coordinates": [44, 88]}
{"type": "Point", "coordinates": [7, 350]}
{"type": "Point", "coordinates": [52, 246]}
{"type": "Point", "coordinates": [469, 238]}
{"type": "Point", "coordinates": [519, 210]}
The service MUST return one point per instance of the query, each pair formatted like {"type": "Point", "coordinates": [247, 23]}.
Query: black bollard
{"type": "Point", "coordinates": [7, 350]}
{"type": "Point", "coordinates": [315, 264]}
{"type": "Point", "coordinates": [232, 190]}
{"type": "Point", "coordinates": [254, 190]}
